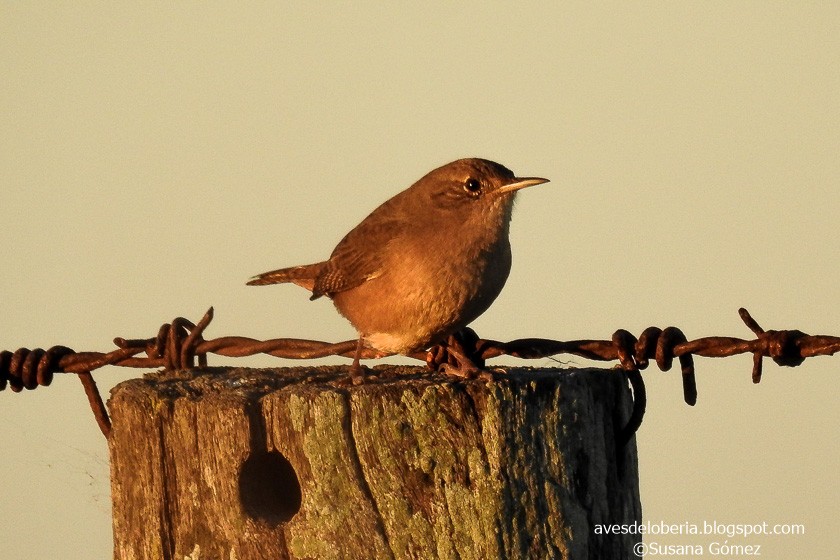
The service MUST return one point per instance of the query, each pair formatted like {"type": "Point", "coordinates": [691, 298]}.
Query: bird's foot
{"type": "Point", "coordinates": [357, 374]}
{"type": "Point", "coordinates": [458, 356]}
{"type": "Point", "coordinates": [357, 370]}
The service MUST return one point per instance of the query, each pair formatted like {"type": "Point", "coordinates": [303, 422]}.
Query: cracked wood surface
{"type": "Point", "coordinates": [291, 463]}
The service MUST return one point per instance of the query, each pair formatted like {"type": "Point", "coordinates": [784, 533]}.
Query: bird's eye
{"type": "Point", "coordinates": [472, 187]}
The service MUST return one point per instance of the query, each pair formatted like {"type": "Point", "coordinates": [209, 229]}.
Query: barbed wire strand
{"type": "Point", "coordinates": [180, 345]}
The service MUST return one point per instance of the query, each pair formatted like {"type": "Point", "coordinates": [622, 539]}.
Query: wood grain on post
{"type": "Point", "coordinates": [291, 463]}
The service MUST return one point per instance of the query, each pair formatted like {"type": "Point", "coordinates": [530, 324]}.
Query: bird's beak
{"type": "Point", "coordinates": [520, 183]}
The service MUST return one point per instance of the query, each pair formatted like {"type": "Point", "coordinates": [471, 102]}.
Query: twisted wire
{"type": "Point", "coordinates": [180, 345]}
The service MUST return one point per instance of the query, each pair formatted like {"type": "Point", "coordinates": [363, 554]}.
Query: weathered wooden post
{"type": "Point", "coordinates": [290, 463]}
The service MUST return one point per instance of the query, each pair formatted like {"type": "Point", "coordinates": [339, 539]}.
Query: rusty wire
{"type": "Point", "coordinates": [180, 345]}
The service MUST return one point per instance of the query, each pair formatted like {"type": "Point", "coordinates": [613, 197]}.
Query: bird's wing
{"type": "Point", "coordinates": [358, 257]}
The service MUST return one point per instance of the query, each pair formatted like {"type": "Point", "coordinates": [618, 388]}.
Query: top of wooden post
{"type": "Point", "coordinates": [294, 463]}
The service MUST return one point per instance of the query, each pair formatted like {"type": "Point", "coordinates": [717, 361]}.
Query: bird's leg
{"type": "Point", "coordinates": [458, 355]}
{"type": "Point", "coordinates": [357, 371]}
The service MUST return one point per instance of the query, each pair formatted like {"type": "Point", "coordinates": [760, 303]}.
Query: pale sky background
{"type": "Point", "coordinates": [153, 157]}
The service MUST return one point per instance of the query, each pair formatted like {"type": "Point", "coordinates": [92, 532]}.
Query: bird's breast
{"type": "Point", "coordinates": [426, 292]}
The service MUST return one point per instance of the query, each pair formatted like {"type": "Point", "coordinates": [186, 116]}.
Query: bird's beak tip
{"type": "Point", "coordinates": [521, 183]}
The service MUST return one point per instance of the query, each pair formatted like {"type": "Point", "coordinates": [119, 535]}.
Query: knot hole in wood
{"type": "Point", "coordinates": [269, 489]}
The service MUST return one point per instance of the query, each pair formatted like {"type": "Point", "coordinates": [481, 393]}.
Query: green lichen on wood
{"type": "Point", "coordinates": [336, 507]}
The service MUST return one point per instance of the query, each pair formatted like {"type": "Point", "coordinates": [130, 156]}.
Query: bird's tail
{"type": "Point", "coordinates": [303, 276]}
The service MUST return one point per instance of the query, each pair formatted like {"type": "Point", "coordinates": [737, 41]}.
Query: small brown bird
{"type": "Point", "coordinates": [424, 264]}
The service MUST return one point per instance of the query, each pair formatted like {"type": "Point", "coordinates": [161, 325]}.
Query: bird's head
{"type": "Point", "coordinates": [470, 191]}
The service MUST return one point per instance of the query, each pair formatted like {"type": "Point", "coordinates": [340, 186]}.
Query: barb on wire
{"type": "Point", "coordinates": [180, 345]}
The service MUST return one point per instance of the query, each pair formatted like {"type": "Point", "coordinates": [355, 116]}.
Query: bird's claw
{"type": "Point", "coordinates": [458, 357]}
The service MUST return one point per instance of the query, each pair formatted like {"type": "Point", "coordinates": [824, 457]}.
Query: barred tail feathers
{"type": "Point", "coordinates": [304, 276]}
